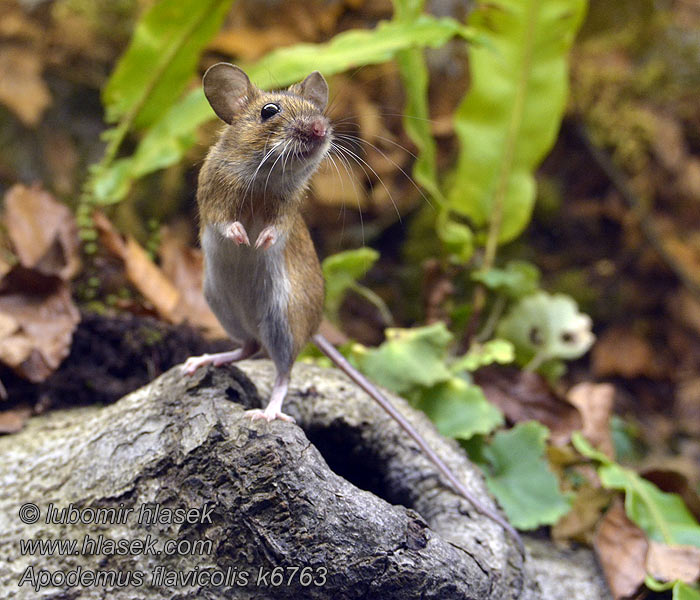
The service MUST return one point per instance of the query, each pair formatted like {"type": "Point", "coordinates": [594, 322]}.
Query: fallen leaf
{"type": "Point", "coordinates": [43, 232]}
{"type": "Point", "coordinates": [249, 44]}
{"type": "Point", "coordinates": [686, 309]}
{"type": "Point", "coordinates": [184, 266]}
{"type": "Point", "coordinates": [689, 179]}
{"type": "Point", "coordinates": [674, 475]}
{"type": "Point", "coordinates": [22, 88]}
{"type": "Point", "coordinates": [579, 523]}
{"type": "Point", "coordinates": [621, 548]}
{"type": "Point", "coordinates": [45, 318]}
{"type": "Point", "coordinates": [150, 280]}
{"type": "Point", "coordinates": [141, 271]}
{"type": "Point", "coordinates": [620, 351]}
{"type": "Point", "coordinates": [526, 396]}
{"type": "Point", "coordinates": [595, 403]}
{"type": "Point", "coordinates": [669, 563]}
{"type": "Point", "coordinates": [13, 419]}
{"type": "Point", "coordinates": [337, 184]}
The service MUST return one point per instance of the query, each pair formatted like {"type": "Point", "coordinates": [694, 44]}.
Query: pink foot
{"type": "Point", "coordinates": [269, 415]}
{"type": "Point", "coordinates": [194, 362]}
{"type": "Point", "coordinates": [236, 232]}
{"type": "Point", "coordinates": [267, 237]}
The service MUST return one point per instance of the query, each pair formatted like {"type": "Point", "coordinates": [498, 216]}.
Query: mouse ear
{"type": "Point", "coordinates": [228, 89]}
{"type": "Point", "coordinates": [315, 89]}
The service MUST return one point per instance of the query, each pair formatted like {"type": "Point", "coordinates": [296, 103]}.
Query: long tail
{"type": "Point", "coordinates": [330, 351]}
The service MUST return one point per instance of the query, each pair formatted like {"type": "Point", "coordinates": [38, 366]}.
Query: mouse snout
{"type": "Point", "coordinates": [313, 129]}
{"type": "Point", "coordinates": [318, 127]}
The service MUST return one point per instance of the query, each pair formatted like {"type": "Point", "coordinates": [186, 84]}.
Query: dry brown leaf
{"type": "Point", "coordinates": [334, 335]}
{"type": "Point", "coordinates": [621, 548]}
{"type": "Point", "coordinates": [109, 236]}
{"type": "Point", "coordinates": [249, 44]}
{"type": "Point", "coordinates": [595, 403]}
{"type": "Point", "coordinates": [676, 475]}
{"type": "Point", "coordinates": [579, 523]}
{"type": "Point", "coordinates": [620, 351]}
{"type": "Point", "coordinates": [150, 280]}
{"type": "Point", "coordinates": [43, 232]}
{"type": "Point", "coordinates": [334, 186]}
{"type": "Point", "coordinates": [686, 309]}
{"type": "Point", "coordinates": [525, 396]}
{"type": "Point", "coordinates": [668, 563]}
{"type": "Point", "coordinates": [141, 271]}
{"type": "Point", "coordinates": [689, 179]}
{"type": "Point", "coordinates": [15, 24]}
{"type": "Point", "coordinates": [184, 266]}
{"type": "Point", "coordinates": [22, 88]}
{"type": "Point", "coordinates": [13, 419]}
{"type": "Point", "coordinates": [45, 318]}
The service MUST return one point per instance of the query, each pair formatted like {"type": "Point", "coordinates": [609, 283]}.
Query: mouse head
{"type": "Point", "coordinates": [274, 138]}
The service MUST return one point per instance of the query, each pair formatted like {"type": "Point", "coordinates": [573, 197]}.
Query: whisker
{"type": "Point", "coordinates": [272, 168]}
{"type": "Point", "coordinates": [357, 159]}
{"type": "Point", "coordinates": [406, 175]}
{"type": "Point", "coordinates": [346, 165]}
{"type": "Point", "coordinates": [249, 186]}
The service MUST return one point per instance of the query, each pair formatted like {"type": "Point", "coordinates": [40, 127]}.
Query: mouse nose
{"type": "Point", "coordinates": [319, 126]}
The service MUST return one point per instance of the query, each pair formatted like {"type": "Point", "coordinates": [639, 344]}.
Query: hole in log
{"type": "Point", "coordinates": [349, 455]}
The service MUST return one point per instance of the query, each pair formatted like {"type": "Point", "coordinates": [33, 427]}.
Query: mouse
{"type": "Point", "coordinates": [262, 276]}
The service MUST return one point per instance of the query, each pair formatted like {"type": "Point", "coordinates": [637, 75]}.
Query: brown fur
{"type": "Point", "coordinates": [306, 279]}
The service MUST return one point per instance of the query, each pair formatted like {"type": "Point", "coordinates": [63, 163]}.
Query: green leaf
{"type": "Point", "coordinates": [481, 355]}
{"type": "Point", "coordinates": [341, 271]}
{"type": "Point", "coordinates": [457, 238]}
{"type": "Point", "coordinates": [681, 590]}
{"type": "Point", "coordinates": [163, 145]}
{"type": "Point", "coordinates": [352, 49]}
{"type": "Point", "coordinates": [521, 479]}
{"type": "Point", "coordinates": [509, 118]}
{"type": "Point", "coordinates": [459, 409]}
{"type": "Point", "coordinates": [416, 118]}
{"type": "Point", "coordinates": [161, 58]}
{"type": "Point", "coordinates": [518, 279]}
{"type": "Point", "coordinates": [663, 516]}
{"type": "Point", "coordinates": [543, 327]}
{"type": "Point", "coordinates": [173, 133]}
{"type": "Point", "coordinates": [408, 358]}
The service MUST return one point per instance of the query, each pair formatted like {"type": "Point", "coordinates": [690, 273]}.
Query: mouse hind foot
{"type": "Point", "coordinates": [195, 362]}
{"type": "Point", "coordinates": [273, 410]}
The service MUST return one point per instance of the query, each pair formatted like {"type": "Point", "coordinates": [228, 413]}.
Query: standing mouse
{"type": "Point", "coordinates": [262, 277]}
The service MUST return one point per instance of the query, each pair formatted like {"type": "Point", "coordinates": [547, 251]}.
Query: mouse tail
{"type": "Point", "coordinates": [342, 363]}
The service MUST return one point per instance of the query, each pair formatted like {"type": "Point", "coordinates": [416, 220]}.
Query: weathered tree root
{"type": "Point", "coordinates": [272, 519]}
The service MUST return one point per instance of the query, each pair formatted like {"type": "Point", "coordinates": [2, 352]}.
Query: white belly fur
{"type": "Point", "coordinates": [248, 291]}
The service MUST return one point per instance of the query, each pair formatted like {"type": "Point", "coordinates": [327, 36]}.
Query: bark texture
{"type": "Point", "coordinates": [310, 511]}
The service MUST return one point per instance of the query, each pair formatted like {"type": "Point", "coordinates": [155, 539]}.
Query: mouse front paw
{"type": "Point", "coordinates": [267, 237]}
{"type": "Point", "coordinates": [236, 232]}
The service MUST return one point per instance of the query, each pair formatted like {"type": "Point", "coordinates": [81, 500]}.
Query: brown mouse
{"type": "Point", "coordinates": [262, 277]}
{"type": "Point", "coordinates": [269, 292]}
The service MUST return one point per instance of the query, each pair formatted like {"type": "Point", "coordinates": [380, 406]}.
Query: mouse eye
{"type": "Point", "coordinates": [269, 110]}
